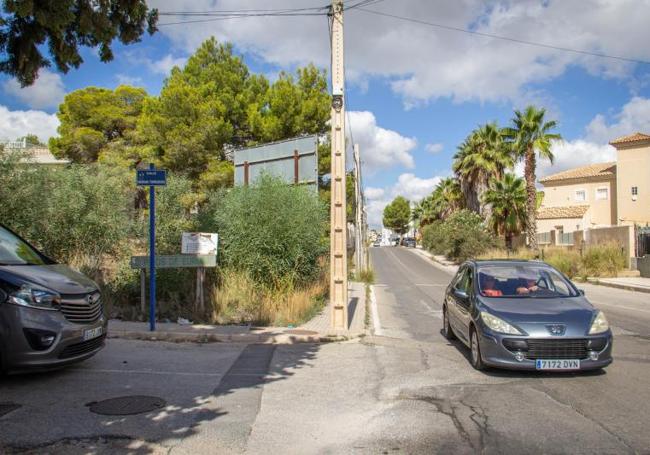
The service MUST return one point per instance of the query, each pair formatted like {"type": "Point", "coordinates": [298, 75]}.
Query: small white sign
{"type": "Point", "coordinates": [199, 243]}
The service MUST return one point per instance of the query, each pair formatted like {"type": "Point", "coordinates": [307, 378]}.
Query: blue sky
{"type": "Point", "coordinates": [414, 91]}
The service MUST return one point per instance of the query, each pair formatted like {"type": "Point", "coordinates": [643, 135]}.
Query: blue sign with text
{"type": "Point", "coordinates": [151, 177]}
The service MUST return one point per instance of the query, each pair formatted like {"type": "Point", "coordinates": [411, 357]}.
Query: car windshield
{"type": "Point", "coordinates": [14, 251]}
{"type": "Point", "coordinates": [523, 280]}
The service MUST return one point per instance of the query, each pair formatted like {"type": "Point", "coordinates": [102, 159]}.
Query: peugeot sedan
{"type": "Point", "coordinates": [50, 315]}
{"type": "Point", "coordinates": [524, 315]}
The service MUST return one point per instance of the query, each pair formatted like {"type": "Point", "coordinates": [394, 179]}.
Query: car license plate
{"type": "Point", "coordinates": [93, 333]}
{"type": "Point", "coordinates": [563, 364]}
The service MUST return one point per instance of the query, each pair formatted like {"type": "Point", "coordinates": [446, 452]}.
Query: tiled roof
{"type": "Point", "coordinates": [593, 170]}
{"type": "Point", "coordinates": [636, 137]}
{"type": "Point", "coordinates": [569, 211]}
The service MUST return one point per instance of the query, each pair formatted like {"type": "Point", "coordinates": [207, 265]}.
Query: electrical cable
{"type": "Point", "coordinates": [505, 38]}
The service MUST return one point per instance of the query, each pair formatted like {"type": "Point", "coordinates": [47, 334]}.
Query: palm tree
{"type": "Point", "coordinates": [507, 196]}
{"type": "Point", "coordinates": [528, 135]}
{"type": "Point", "coordinates": [482, 156]}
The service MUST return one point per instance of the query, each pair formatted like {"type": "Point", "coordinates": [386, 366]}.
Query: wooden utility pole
{"type": "Point", "coordinates": [338, 229]}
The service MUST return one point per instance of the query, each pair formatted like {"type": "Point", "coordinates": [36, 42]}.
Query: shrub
{"type": "Point", "coordinates": [565, 260]}
{"type": "Point", "coordinates": [460, 237]}
{"type": "Point", "coordinates": [271, 231]}
{"type": "Point", "coordinates": [603, 260]}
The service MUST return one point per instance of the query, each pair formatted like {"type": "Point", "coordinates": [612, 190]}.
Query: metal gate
{"type": "Point", "coordinates": [643, 242]}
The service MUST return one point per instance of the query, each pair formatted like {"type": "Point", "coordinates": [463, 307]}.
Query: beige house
{"type": "Point", "coordinates": [600, 195]}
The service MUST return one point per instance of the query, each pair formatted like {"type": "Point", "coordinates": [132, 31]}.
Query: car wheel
{"type": "Point", "coordinates": [477, 360]}
{"type": "Point", "coordinates": [446, 327]}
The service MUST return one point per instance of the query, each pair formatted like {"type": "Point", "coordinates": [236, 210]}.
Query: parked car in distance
{"type": "Point", "coordinates": [524, 315]}
{"type": "Point", "coordinates": [50, 315]}
{"type": "Point", "coordinates": [376, 243]}
{"type": "Point", "coordinates": [409, 242]}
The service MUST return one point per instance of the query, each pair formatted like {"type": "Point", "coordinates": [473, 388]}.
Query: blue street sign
{"type": "Point", "coordinates": [151, 177]}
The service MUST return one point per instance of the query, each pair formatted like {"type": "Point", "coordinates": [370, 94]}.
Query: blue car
{"type": "Point", "coordinates": [524, 315]}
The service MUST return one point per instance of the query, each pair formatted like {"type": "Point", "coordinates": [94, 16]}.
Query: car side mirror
{"type": "Point", "coordinates": [3, 296]}
{"type": "Point", "coordinates": [460, 294]}
{"type": "Point", "coordinates": [581, 291]}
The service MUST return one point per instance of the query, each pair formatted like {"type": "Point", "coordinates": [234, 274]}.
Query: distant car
{"type": "Point", "coordinates": [409, 242]}
{"type": "Point", "coordinates": [50, 315]}
{"type": "Point", "coordinates": [376, 243]}
{"type": "Point", "coordinates": [524, 315]}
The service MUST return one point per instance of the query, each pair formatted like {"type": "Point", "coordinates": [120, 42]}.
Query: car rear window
{"type": "Point", "coordinates": [529, 280]}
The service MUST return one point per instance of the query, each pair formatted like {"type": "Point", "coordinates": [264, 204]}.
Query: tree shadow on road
{"type": "Point", "coordinates": [229, 408]}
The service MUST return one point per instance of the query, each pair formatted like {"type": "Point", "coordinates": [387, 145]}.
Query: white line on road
{"type": "Point", "coordinates": [375, 312]}
{"type": "Point", "coordinates": [619, 306]}
{"type": "Point", "coordinates": [434, 285]}
{"type": "Point", "coordinates": [434, 313]}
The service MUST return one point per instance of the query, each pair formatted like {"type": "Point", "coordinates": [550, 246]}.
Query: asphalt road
{"type": "Point", "coordinates": [404, 389]}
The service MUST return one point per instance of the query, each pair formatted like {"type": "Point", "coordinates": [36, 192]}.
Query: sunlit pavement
{"type": "Point", "coordinates": [407, 390]}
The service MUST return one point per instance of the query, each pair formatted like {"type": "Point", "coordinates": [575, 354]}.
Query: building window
{"type": "Point", "coordinates": [635, 190]}
{"type": "Point", "coordinates": [580, 196]}
{"type": "Point", "coordinates": [602, 194]}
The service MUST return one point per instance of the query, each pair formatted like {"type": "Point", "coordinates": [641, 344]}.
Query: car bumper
{"type": "Point", "coordinates": [495, 354]}
{"type": "Point", "coordinates": [68, 347]}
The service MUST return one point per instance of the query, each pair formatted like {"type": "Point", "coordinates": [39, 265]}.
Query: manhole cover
{"type": "Point", "coordinates": [6, 408]}
{"type": "Point", "coordinates": [123, 406]}
{"type": "Point", "coordinates": [300, 332]}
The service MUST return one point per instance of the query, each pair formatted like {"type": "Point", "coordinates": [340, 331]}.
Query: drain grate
{"type": "Point", "coordinates": [6, 408]}
{"type": "Point", "coordinates": [129, 405]}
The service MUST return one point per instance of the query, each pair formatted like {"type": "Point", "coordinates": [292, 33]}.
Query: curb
{"type": "Point", "coordinates": [261, 338]}
{"type": "Point", "coordinates": [625, 287]}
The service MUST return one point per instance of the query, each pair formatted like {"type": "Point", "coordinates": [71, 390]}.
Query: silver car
{"type": "Point", "coordinates": [50, 315]}
{"type": "Point", "coordinates": [524, 315]}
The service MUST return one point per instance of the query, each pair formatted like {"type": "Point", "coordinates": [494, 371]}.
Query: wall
{"type": "Point", "coordinates": [643, 265]}
{"type": "Point", "coordinates": [569, 224]}
{"type": "Point", "coordinates": [633, 169]}
{"type": "Point", "coordinates": [603, 212]}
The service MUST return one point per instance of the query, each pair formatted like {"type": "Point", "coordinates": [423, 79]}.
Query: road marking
{"type": "Point", "coordinates": [434, 313]}
{"type": "Point", "coordinates": [161, 373]}
{"type": "Point", "coordinates": [618, 306]}
{"type": "Point", "coordinates": [434, 285]}
{"type": "Point", "coordinates": [375, 312]}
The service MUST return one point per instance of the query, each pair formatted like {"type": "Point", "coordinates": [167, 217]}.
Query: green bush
{"type": "Point", "coordinates": [603, 260]}
{"type": "Point", "coordinates": [565, 260]}
{"type": "Point", "coordinates": [460, 237]}
{"type": "Point", "coordinates": [270, 230]}
{"type": "Point", "coordinates": [68, 211]}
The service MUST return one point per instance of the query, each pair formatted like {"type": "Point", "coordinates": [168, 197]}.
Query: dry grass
{"type": "Point", "coordinates": [237, 299]}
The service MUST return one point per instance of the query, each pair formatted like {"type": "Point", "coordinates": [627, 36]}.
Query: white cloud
{"type": "Point", "coordinates": [423, 63]}
{"type": "Point", "coordinates": [408, 185]}
{"type": "Point", "coordinates": [47, 92]}
{"type": "Point", "coordinates": [164, 65]}
{"type": "Point", "coordinates": [373, 193]}
{"type": "Point", "coordinates": [633, 117]}
{"type": "Point", "coordinates": [434, 148]}
{"type": "Point", "coordinates": [570, 154]}
{"type": "Point", "coordinates": [380, 147]}
{"type": "Point", "coordinates": [125, 79]}
{"type": "Point", "coordinates": [15, 124]}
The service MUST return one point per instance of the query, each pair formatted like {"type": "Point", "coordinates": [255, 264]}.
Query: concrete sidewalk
{"type": "Point", "coordinates": [638, 284]}
{"type": "Point", "coordinates": [314, 331]}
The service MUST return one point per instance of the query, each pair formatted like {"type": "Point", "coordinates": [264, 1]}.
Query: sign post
{"type": "Point", "coordinates": [152, 177]}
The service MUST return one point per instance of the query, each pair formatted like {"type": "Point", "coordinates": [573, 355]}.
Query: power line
{"type": "Point", "coordinates": [505, 38]}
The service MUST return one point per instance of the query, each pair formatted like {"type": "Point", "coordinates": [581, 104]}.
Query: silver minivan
{"type": "Point", "coordinates": [50, 315]}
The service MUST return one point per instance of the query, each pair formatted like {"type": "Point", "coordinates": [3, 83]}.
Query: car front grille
{"type": "Point", "coordinates": [557, 349]}
{"type": "Point", "coordinates": [78, 309]}
{"type": "Point", "coordinates": [84, 347]}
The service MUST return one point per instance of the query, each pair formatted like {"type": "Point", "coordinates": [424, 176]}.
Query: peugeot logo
{"type": "Point", "coordinates": [556, 329]}
{"type": "Point", "coordinates": [92, 298]}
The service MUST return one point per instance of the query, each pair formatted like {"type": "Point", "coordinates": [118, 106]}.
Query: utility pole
{"type": "Point", "coordinates": [338, 229]}
{"type": "Point", "coordinates": [358, 238]}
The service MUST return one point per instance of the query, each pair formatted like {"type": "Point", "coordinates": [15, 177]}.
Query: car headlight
{"type": "Point", "coordinates": [35, 298]}
{"type": "Point", "coordinates": [599, 325]}
{"type": "Point", "coordinates": [498, 325]}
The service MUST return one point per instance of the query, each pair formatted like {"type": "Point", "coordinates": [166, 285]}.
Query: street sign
{"type": "Point", "coordinates": [199, 243]}
{"type": "Point", "coordinates": [175, 261]}
{"type": "Point", "coordinates": [151, 177]}
{"type": "Point", "coordinates": [293, 160]}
